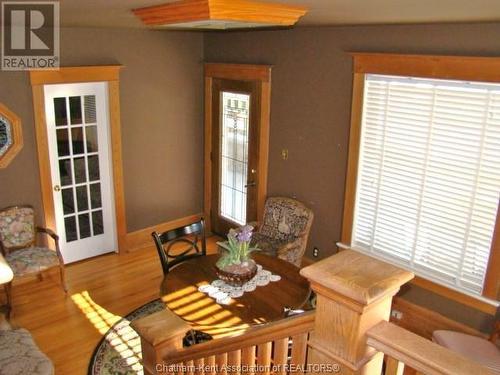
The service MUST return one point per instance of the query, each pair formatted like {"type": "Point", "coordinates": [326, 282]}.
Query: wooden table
{"type": "Point", "coordinates": [180, 293]}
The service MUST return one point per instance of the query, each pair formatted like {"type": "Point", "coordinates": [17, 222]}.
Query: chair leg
{"type": "Point", "coordinates": [63, 278]}
{"type": "Point", "coordinates": [8, 293]}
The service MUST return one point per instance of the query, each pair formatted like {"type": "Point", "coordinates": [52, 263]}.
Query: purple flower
{"type": "Point", "coordinates": [245, 234]}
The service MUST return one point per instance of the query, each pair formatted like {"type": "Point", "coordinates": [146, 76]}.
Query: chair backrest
{"type": "Point", "coordinates": [285, 219]}
{"type": "Point", "coordinates": [17, 227]}
{"type": "Point", "coordinates": [180, 244]}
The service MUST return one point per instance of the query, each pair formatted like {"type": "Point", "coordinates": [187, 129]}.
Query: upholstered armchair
{"type": "Point", "coordinates": [18, 245]}
{"type": "Point", "coordinates": [19, 353]}
{"type": "Point", "coordinates": [477, 349]}
{"type": "Point", "coordinates": [284, 229]}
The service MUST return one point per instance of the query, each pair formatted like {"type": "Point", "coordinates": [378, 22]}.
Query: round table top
{"type": "Point", "coordinates": [179, 291]}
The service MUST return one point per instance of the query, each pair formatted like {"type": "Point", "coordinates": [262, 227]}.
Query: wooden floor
{"type": "Point", "coordinates": [101, 291]}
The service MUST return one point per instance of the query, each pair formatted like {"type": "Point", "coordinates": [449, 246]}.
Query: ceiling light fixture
{"type": "Point", "coordinates": [219, 14]}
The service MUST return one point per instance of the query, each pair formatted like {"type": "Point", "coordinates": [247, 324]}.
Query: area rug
{"type": "Point", "coordinates": [119, 351]}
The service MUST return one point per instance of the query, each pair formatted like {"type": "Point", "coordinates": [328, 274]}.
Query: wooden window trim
{"type": "Point", "coordinates": [353, 157]}
{"type": "Point", "coordinates": [241, 72]}
{"type": "Point", "coordinates": [75, 74]}
{"type": "Point", "coordinates": [109, 74]}
{"type": "Point", "coordinates": [485, 69]}
{"type": "Point", "coordinates": [492, 279]}
{"type": "Point", "coordinates": [17, 136]}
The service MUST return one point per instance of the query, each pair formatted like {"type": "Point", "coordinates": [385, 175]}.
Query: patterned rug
{"type": "Point", "coordinates": [119, 351]}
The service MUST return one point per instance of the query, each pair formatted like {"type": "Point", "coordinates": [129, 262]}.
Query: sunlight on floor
{"type": "Point", "coordinates": [99, 317]}
{"type": "Point", "coordinates": [124, 340]}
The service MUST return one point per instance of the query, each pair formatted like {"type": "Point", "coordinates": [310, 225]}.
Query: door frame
{"type": "Point", "coordinates": [84, 74]}
{"type": "Point", "coordinates": [238, 72]}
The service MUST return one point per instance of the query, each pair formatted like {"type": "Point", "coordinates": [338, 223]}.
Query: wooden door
{"type": "Point", "coordinates": [236, 108]}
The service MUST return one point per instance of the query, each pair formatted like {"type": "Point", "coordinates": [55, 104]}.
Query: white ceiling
{"type": "Point", "coordinates": [116, 13]}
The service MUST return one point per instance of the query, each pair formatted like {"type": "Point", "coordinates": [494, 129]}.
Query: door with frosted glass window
{"type": "Point", "coordinates": [78, 131]}
{"type": "Point", "coordinates": [235, 109]}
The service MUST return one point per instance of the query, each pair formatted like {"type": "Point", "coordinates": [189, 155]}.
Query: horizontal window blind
{"type": "Point", "coordinates": [429, 176]}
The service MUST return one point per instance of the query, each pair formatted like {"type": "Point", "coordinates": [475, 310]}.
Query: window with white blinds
{"type": "Point", "coordinates": [429, 176]}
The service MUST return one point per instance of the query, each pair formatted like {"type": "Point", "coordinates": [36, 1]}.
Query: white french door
{"type": "Point", "coordinates": [77, 117]}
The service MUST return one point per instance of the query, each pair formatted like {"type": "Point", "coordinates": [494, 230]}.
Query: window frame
{"type": "Point", "coordinates": [483, 69]}
{"type": "Point", "coordinates": [16, 136]}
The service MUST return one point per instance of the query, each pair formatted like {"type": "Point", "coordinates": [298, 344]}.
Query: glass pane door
{"type": "Point", "coordinates": [234, 156]}
{"type": "Point", "coordinates": [79, 147]}
{"type": "Point", "coordinates": [78, 162]}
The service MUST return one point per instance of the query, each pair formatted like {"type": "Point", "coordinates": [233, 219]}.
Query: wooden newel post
{"type": "Point", "coordinates": [161, 334]}
{"type": "Point", "coordinates": [354, 294]}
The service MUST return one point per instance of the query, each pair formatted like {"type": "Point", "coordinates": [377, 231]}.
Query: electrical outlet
{"type": "Point", "coordinates": [315, 252]}
{"type": "Point", "coordinates": [396, 314]}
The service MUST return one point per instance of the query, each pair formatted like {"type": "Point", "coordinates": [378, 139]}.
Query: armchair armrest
{"type": "Point", "coordinates": [48, 231]}
{"type": "Point", "coordinates": [304, 233]}
{"type": "Point", "coordinates": [254, 224]}
{"type": "Point", "coordinates": [293, 251]}
{"type": "Point", "coordinates": [54, 236]}
{"type": "Point", "coordinates": [296, 242]}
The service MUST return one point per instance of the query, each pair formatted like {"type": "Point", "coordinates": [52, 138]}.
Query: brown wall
{"type": "Point", "coordinates": [161, 112]}
{"type": "Point", "coordinates": [161, 100]}
{"type": "Point", "coordinates": [310, 108]}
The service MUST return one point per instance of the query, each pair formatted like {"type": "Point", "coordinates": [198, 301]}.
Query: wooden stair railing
{"type": "Point", "coordinates": [404, 347]}
{"type": "Point", "coordinates": [274, 348]}
{"type": "Point", "coordinates": [347, 334]}
{"type": "Point", "coordinates": [354, 294]}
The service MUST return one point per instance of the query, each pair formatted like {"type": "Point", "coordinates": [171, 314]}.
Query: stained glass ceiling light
{"type": "Point", "coordinates": [220, 14]}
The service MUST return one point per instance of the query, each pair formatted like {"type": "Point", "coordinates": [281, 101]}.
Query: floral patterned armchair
{"type": "Point", "coordinates": [284, 229]}
{"type": "Point", "coordinates": [19, 353]}
{"type": "Point", "coordinates": [18, 245]}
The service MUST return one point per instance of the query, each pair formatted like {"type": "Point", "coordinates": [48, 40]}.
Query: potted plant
{"type": "Point", "coordinates": [235, 266]}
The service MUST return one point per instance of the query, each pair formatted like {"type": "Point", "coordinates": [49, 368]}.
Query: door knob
{"type": "Point", "coordinates": [251, 183]}
{"type": "Point", "coordinates": [57, 188]}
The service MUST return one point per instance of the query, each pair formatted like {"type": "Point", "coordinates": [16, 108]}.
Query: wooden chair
{"type": "Point", "coordinates": [284, 229]}
{"type": "Point", "coordinates": [169, 249]}
{"type": "Point", "coordinates": [18, 245]}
